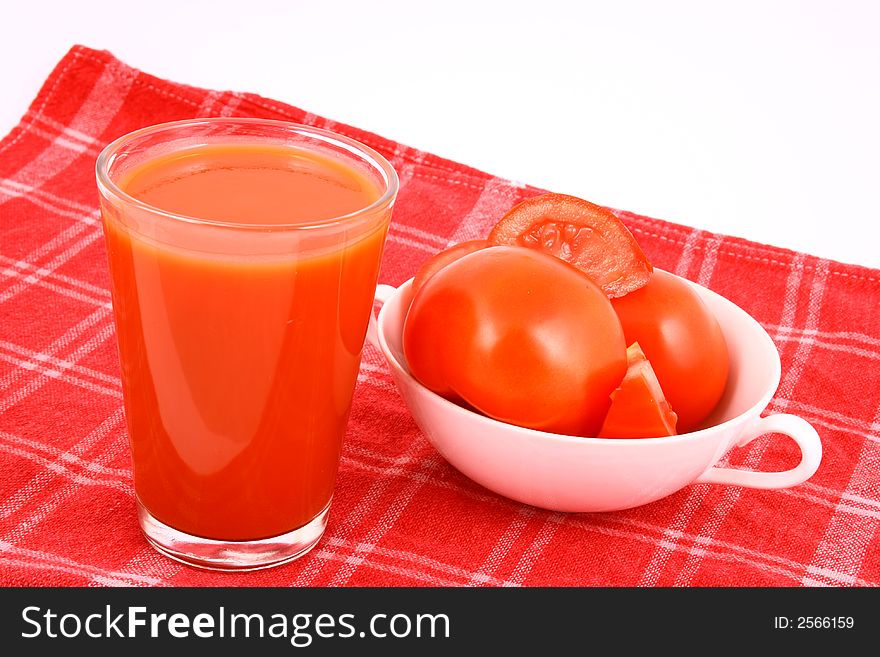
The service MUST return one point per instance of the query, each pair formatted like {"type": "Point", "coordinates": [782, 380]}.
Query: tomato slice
{"type": "Point", "coordinates": [586, 235]}
{"type": "Point", "coordinates": [439, 260]}
{"type": "Point", "coordinates": [638, 407]}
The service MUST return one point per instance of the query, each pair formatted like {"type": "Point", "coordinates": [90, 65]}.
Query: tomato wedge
{"type": "Point", "coordinates": [638, 407]}
{"type": "Point", "coordinates": [586, 235]}
{"type": "Point", "coordinates": [439, 260]}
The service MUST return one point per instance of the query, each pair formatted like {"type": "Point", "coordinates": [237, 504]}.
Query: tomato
{"type": "Point", "coordinates": [520, 336]}
{"type": "Point", "coordinates": [683, 341]}
{"type": "Point", "coordinates": [638, 407]}
{"type": "Point", "coordinates": [586, 235]}
{"type": "Point", "coordinates": [439, 260]}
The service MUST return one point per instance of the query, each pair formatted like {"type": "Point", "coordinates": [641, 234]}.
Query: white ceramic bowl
{"type": "Point", "coordinates": [575, 474]}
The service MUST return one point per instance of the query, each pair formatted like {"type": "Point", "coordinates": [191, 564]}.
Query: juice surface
{"type": "Point", "coordinates": [238, 372]}
{"type": "Point", "coordinates": [251, 185]}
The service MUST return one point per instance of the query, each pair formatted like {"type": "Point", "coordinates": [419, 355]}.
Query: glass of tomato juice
{"type": "Point", "coordinates": [243, 257]}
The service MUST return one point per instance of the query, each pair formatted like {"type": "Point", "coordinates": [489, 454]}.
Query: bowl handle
{"type": "Point", "coordinates": [383, 293]}
{"type": "Point", "coordinates": [793, 426]}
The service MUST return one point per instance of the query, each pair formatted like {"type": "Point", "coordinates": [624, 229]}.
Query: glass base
{"type": "Point", "coordinates": [231, 555]}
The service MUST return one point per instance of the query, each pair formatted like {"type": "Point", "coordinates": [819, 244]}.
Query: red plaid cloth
{"type": "Point", "coordinates": [401, 515]}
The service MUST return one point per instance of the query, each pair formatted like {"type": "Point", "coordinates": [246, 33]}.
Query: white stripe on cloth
{"type": "Point", "coordinates": [206, 109]}
{"type": "Point", "coordinates": [38, 447]}
{"type": "Point", "coordinates": [790, 298]}
{"type": "Point", "coordinates": [39, 361]}
{"type": "Point", "coordinates": [424, 562]}
{"type": "Point", "coordinates": [407, 241]}
{"type": "Point", "coordinates": [420, 474]}
{"type": "Point", "coordinates": [323, 555]}
{"type": "Point", "coordinates": [47, 200]}
{"type": "Point", "coordinates": [39, 357]}
{"type": "Point", "coordinates": [99, 576]}
{"type": "Point", "coordinates": [18, 268]}
{"type": "Point", "coordinates": [56, 242]}
{"type": "Point", "coordinates": [45, 282]}
{"type": "Point", "coordinates": [51, 266]}
{"type": "Point", "coordinates": [56, 348]}
{"type": "Point", "coordinates": [830, 493]}
{"type": "Point", "coordinates": [730, 495]}
{"type": "Point", "coordinates": [430, 240]}
{"type": "Point", "coordinates": [220, 104]}
{"type": "Point", "coordinates": [63, 470]}
{"type": "Point", "coordinates": [399, 462]}
{"type": "Point", "coordinates": [502, 547]}
{"type": "Point", "coordinates": [717, 550]}
{"type": "Point", "coordinates": [693, 238]}
{"type": "Point", "coordinates": [61, 375]}
{"type": "Point", "coordinates": [41, 557]}
{"type": "Point", "coordinates": [393, 511]}
{"type": "Point", "coordinates": [848, 535]}
{"type": "Point", "coordinates": [63, 141]}
{"type": "Point", "coordinates": [842, 502]}
{"type": "Point", "coordinates": [710, 257]}
{"type": "Point", "coordinates": [496, 198]}
{"type": "Point", "coordinates": [68, 489]}
{"type": "Point", "coordinates": [833, 336]}
{"type": "Point", "coordinates": [821, 576]}
{"type": "Point", "coordinates": [149, 563]}
{"type": "Point", "coordinates": [404, 165]}
{"type": "Point", "coordinates": [869, 430]}
{"type": "Point", "coordinates": [308, 118]}
{"type": "Point", "coordinates": [16, 501]}
{"type": "Point", "coordinates": [104, 101]}
{"type": "Point", "coordinates": [533, 552]}
{"type": "Point", "coordinates": [807, 341]}
{"type": "Point", "coordinates": [49, 122]}
{"type": "Point", "coordinates": [871, 354]}
{"type": "Point", "coordinates": [361, 509]}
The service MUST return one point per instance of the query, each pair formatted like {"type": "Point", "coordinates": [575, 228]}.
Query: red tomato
{"type": "Point", "coordinates": [638, 407]}
{"type": "Point", "coordinates": [588, 236]}
{"type": "Point", "coordinates": [683, 341]}
{"type": "Point", "coordinates": [439, 260]}
{"type": "Point", "coordinates": [520, 336]}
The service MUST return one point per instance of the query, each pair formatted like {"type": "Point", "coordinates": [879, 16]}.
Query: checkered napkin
{"type": "Point", "coordinates": [401, 514]}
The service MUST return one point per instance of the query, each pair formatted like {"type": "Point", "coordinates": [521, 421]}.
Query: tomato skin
{"type": "Point", "coordinates": [439, 260]}
{"type": "Point", "coordinates": [586, 235]}
{"type": "Point", "coordinates": [520, 336]}
{"type": "Point", "coordinates": [638, 407]}
{"type": "Point", "coordinates": [683, 341]}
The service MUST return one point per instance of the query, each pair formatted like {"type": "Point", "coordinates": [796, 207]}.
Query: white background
{"type": "Point", "coordinates": [755, 119]}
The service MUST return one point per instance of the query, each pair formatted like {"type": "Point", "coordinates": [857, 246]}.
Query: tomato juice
{"type": "Point", "coordinates": [243, 277]}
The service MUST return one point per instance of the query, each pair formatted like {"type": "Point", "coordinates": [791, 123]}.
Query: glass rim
{"type": "Point", "coordinates": [110, 188]}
